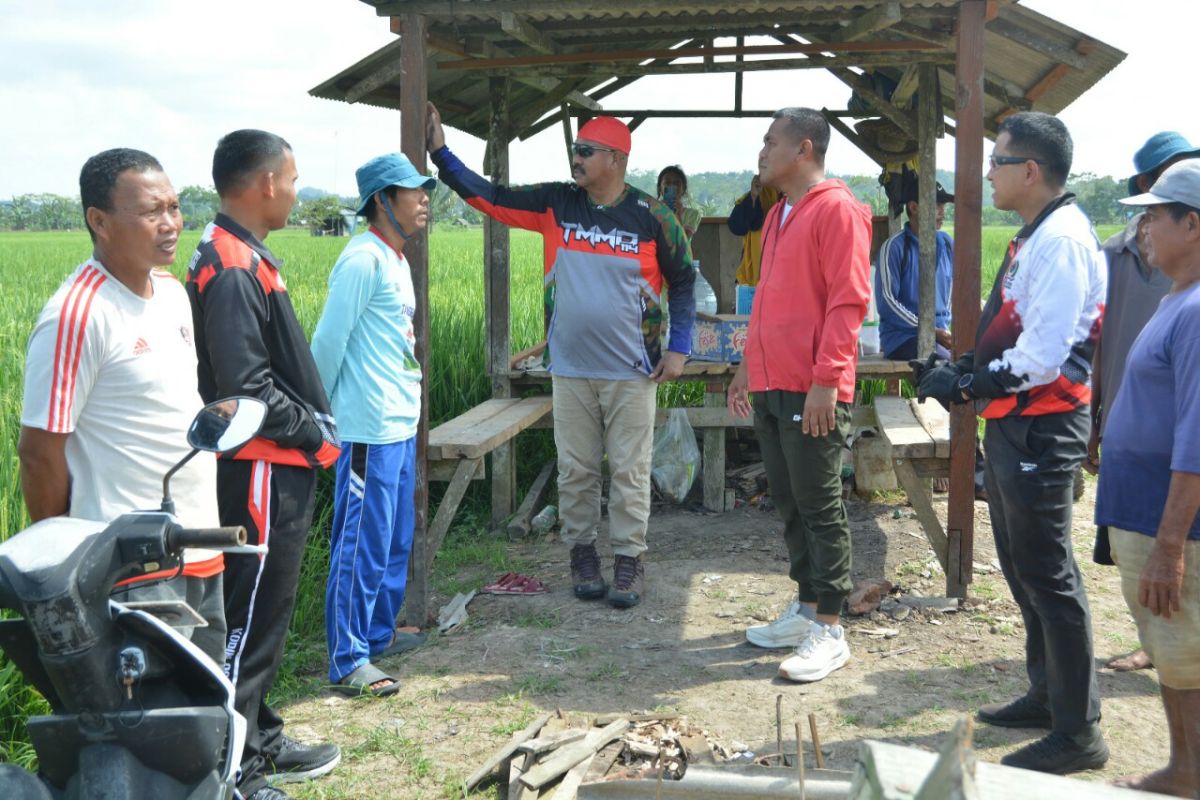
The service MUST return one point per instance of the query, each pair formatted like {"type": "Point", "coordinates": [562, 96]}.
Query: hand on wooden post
{"type": "Point", "coordinates": [435, 137]}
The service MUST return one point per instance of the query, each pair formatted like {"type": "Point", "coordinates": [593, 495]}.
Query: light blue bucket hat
{"type": "Point", "coordinates": [393, 169]}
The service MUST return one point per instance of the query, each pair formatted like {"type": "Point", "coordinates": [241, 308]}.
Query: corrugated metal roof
{"type": "Point", "coordinates": [1031, 61]}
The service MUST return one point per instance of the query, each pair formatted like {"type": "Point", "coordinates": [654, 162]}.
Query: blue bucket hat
{"type": "Point", "coordinates": [1158, 150]}
{"type": "Point", "coordinates": [393, 169]}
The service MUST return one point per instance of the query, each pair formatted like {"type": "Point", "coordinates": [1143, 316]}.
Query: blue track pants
{"type": "Point", "coordinates": [369, 549]}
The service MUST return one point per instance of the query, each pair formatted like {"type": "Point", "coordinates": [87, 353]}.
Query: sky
{"type": "Point", "coordinates": [172, 77]}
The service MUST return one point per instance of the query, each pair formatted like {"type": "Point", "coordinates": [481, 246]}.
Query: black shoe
{"type": "Point", "coordinates": [297, 762]}
{"type": "Point", "coordinates": [585, 572]}
{"type": "Point", "coordinates": [628, 578]}
{"type": "Point", "coordinates": [1060, 753]}
{"type": "Point", "coordinates": [1024, 712]}
{"type": "Point", "coordinates": [269, 793]}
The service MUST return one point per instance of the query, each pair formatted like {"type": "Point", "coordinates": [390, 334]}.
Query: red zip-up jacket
{"type": "Point", "coordinates": [812, 293]}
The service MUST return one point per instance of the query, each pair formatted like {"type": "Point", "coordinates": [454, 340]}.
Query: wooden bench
{"type": "Point", "coordinates": [455, 453]}
{"type": "Point", "coordinates": [919, 435]}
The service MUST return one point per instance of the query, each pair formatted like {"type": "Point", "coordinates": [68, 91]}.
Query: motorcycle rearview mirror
{"type": "Point", "coordinates": [220, 426]}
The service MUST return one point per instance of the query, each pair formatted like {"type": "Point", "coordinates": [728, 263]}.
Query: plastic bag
{"type": "Point", "coordinates": [676, 458]}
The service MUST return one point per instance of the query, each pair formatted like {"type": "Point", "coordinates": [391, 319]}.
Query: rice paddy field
{"type": "Point", "coordinates": [33, 264]}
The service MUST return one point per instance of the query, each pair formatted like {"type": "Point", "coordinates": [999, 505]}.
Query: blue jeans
{"type": "Point", "coordinates": [369, 548]}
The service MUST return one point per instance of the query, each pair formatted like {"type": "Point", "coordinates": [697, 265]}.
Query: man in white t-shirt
{"type": "Point", "coordinates": [110, 382]}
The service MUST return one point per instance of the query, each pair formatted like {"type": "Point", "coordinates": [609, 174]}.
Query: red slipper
{"type": "Point", "coordinates": [512, 583]}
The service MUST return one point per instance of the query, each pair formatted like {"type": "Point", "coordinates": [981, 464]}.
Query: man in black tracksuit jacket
{"type": "Point", "coordinates": [249, 342]}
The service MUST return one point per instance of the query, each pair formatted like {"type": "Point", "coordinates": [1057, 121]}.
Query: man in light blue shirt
{"type": "Point", "coordinates": [364, 349]}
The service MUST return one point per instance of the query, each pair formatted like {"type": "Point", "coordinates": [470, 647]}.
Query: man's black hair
{"type": "Point", "coordinates": [371, 207]}
{"type": "Point", "coordinates": [243, 154]}
{"type": "Point", "coordinates": [1180, 210]}
{"type": "Point", "coordinates": [98, 178]}
{"type": "Point", "coordinates": [1042, 137]}
{"type": "Point", "coordinates": [806, 123]}
{"type": "Point", "coordinates": [673, 169]}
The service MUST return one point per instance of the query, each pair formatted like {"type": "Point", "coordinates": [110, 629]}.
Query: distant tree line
{"type": "Point", "coordinates": [714, 193]}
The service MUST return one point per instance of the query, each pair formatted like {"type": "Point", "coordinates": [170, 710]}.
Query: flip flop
{"type": "Point", "coordinates": [402, 642]}
{"type": "Point", "coordinates": [359, 682]}
{"type": "Point", "coordinates": [512, 583]}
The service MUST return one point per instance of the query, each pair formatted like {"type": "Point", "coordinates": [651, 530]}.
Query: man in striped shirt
{"type": "Point", "coordinates": [110, 381]}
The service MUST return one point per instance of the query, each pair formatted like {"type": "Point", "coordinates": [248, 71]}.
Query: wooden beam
{"type": "Point", "coordinates": [382, 75]}
{"type": "Point", "coordinates": [873, 21]}
{"type": "Point", "coordinates": [492, 10]}
{"type": "Point", "coordinates": [927, 125]}
{"type": "Point", "coordinates": [906, 87]}
{"type": "Point", "coordinates": [738, 77]}
{"type": "Point", "coordinates": [517, 27]}
{"type": "Point", "coordinates": [605, 57]}
{"type": "Point", "coordinates": [968, 214]}
{"type": "Point", "coordinates": [856, 82]}
{"type": "Point", "coordinates": [635, 123]}
{"type": "Point", "coordinates": [413, 93]}
{"type": "Point", "coordinates": [878, 156]}
{"type": "Point", "coordinates": [674, 113]}
{"type": "Point", "coordinates": [1044, 84]}
{"type": "Point", "coordinates": [567, 135]}
{"type": "Point", "coordinates": [626, 70]}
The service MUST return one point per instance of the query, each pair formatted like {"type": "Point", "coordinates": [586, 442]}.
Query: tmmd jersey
{"type": "Point", "coordinates": [1041, 323]}
{"type": "Point", "coordinates": [605, 267]}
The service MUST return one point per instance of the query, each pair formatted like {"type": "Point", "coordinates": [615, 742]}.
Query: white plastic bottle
{"type": "Point", "coordinates": [706, 298]}
{"type": "Point", "coordinates": [868, 340]}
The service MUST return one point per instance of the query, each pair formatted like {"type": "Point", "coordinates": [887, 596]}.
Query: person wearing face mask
{"type": "Point", "coordinates": [364, 348]}
{"type": "Point", "coordinates": [673, 190]}
{"type": "Point", "coordinates": [610, 250]}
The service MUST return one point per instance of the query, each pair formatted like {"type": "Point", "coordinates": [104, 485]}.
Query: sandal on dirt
{"type": "Point", "coordinates": [402, 642]}
{"type": "Point", "coordinates": [359, 682]}
{"type": "Point", "coordinates": [512, 583]}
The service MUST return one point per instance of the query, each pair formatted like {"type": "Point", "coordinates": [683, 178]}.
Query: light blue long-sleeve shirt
{"type": "Point", "coordinates": [364, 344]}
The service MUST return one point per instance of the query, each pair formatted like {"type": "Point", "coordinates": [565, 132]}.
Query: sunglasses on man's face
{"type": "Point", "coordinates": [1004, 161]}
{"type": "Point", "coordinates": [587, 150]}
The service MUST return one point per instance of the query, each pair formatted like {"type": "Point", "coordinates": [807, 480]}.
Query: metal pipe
{"type": "Point", "coordinates": [727, 783]}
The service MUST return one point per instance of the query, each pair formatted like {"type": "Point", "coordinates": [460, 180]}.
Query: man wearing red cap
{"type": "Point", "coordinates": [610, 248]}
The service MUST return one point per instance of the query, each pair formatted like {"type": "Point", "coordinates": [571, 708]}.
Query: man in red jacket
{"type": "Point", "coordinates": [798, 375]}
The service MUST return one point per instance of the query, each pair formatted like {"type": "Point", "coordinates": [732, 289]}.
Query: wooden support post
{"type": "Point", "coordinates": [927, 127]}
{"type": "Point", "coordinates": [737, 77]}
{"type": "Point", "coordinates": [714, 453]}
{"type": "Point", "coordinates": [567, 136]}
{"type": "Point", "coordinates": [496, 302]}
{"type": "Point", "coordinates": [968, 210]}
{"type": "Point", "coordinates": [413, 91]}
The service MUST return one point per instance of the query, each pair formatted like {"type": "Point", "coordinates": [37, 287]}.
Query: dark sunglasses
{"type": "Point", "coordinates": [1004, 161]}
{"type": "Point", "coordinates": [587, 150]}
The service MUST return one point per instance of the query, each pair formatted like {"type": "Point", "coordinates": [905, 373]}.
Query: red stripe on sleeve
{"type": "Point", "coordinates": [67, 346]}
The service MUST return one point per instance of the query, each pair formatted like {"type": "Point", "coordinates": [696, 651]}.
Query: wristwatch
{"type": "Point", "coordinates": [964, 384]}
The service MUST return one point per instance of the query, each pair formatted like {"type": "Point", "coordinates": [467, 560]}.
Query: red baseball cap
{"type": "Point", "coordinates": [608, 131]}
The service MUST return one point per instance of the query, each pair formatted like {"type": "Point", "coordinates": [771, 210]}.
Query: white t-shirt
{"type": "Point", "coordinates": [118, 373]}
{"type": "Point", "coordinates": [787, 209]}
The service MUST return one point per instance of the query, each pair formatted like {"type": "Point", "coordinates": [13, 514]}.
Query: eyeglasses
{"type": "Point", "coordinates": [1004, 161]}
{"type": "Point", "coordinates": [587, 150]}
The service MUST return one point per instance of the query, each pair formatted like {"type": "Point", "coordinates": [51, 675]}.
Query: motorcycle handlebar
{"type": "Point", "coordinates": [230, 536]}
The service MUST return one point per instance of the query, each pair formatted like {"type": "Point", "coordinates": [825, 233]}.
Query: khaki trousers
{"type": "Point", "coordinates": [593, 418]}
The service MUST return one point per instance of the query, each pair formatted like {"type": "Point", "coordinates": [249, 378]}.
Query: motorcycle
{"type": "Point", "coordinates": [137, 710]}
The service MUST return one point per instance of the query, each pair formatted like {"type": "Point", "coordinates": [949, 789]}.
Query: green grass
{"type": "Point", "coordinates": [32, 265]}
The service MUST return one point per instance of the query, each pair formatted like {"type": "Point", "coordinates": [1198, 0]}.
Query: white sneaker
{"type": "Point", "coordinates": [787, 630]}
{"type": "Point", "coordinates": [821, 652]}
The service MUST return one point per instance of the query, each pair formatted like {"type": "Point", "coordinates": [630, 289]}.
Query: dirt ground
{"type": "Point", "coordinates": [683, 648]}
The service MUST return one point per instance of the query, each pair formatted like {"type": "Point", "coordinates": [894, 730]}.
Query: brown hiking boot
{"type": "Point", "coordinates": [628, 580]}
{"type": "Point", "coordinates": [585, 572]}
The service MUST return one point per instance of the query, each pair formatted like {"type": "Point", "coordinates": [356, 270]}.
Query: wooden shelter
{"type": "Point", "coordinates": [507, 69]}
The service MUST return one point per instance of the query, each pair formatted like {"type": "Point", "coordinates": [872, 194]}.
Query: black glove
{"type": "Point", "coordinates": [920, 367]}
{"type": "Point", "coordinates": [941, 383]}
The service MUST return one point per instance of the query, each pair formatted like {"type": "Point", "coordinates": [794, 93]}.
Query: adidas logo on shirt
{"type": "Point", "coordinates": [140, 348]}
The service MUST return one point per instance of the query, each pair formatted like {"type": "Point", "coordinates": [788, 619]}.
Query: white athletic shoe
{"type": "Point", "coordinates": [821, 652]}
{"type": "Point", "coordinates": [787, 630]}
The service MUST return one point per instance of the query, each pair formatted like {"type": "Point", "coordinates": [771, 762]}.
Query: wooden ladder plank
{"type": "Point", "coordinates": [918, 494]}
{"type": "Point", "coordinates": [936, 422]}
{"type": "Point", "coordinates": [486, 435]}
{"type": "Point", "coordinates": [902, 430]}
{"type": "Point", "coordinates": [451, 430]}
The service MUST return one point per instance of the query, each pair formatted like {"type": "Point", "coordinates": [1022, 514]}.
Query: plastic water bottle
{"type": "Point", "coordinates": [868, 340]}
{"type": "Point", "coordinates": [706, 298]}
{"type": "Point", "coordinates": [544, 520]}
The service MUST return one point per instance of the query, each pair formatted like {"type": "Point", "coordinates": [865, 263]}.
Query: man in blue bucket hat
{"type": "Point", "coordinates": [364, 349]}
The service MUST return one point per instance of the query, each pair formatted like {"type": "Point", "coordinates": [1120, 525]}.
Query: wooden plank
{"type": "Point", "coordinates": [573, 754]}
{"type": "Point", "coordinates": [878, 19]}
{"type": "Point", "coordinates": [517, 767]}
{"type": "Point", "coordinates": [497, 311]}
{"type": "Point", "coordinates": [918, 494]}
{"type": "Point", "coordinates": [544, 744]}
{"type": "Point", "coordinates": [520, 29]}
{"type": "Point", "coordinates": [927, 130]}
{"type": "Point", "coordinates": [714, 457]}
{"type": "Point", "coordinates": [521, 522]}
{"type": "Point", "coordinates": [485, 436]}
{"type": "Point", "coordinates": [443, 471]}
{"type": "Point", "coordinates": [936, 422]}
{"type": "Point", "coordinates": [506, 752]}
{"type": "Point", "coordinates": [477, 415]}
{"type": "Point", "coordinates": [447, 509]}
{"type": "Point", "coordinates": [569, 788]}
{"type": "Point", "coordinates": [901, 429]}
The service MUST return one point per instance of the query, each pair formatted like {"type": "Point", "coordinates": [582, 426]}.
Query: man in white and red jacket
{"type": "Point", "coordinates": [798, 376]}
